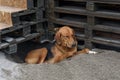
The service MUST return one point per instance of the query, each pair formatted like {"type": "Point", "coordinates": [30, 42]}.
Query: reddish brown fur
{"type": "Point", "coordinates": [66, 46]}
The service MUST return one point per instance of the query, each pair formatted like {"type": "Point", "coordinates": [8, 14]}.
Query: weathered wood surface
{"type": "Point", "coordinates": [14, 3]}
{"type": "Point", "coordinates": [5, 17]}
{"type": "Point", "coordinates": [7, 8]}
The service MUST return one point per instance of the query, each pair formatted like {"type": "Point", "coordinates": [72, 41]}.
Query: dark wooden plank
{"type": "Point", "coordinates": [70, 23]}
{"type": "Point", "coordinates": [107, 28]}
{"type": "Point", "coordinates": [106, 41]}
{"type": "Point", "coordinates": [88, 31]}
{"type": "Point", "coordinates": [13, 28]}
{"type": "Point", "coordinates": [106, 14]}
{"type": "Point", "coordinates": [24, 24]}
{"type": "Point", "coordinates": [70, 10]}
{"type": "Point", "coordinates": [76, 0]}
{"type": "Point", "coordinates": [80, 11]}
{"type": "Point", "coordinates": [80, 36]}
{"type": "Point", "coordinates": [107, 1]}
{"type": "Point", "coordinates": [4, 45]}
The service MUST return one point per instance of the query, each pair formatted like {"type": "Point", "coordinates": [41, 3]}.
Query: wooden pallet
{"type": "Point", "coordinates": [91, 15]}
{"type": "Point", "coordinates": [20, 20]}
{"type": "Point", "coordinates": [7, 8]}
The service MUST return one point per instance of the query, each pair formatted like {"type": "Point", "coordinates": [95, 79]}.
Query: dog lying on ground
{"type": "Point", "coordinates": [64, 47]}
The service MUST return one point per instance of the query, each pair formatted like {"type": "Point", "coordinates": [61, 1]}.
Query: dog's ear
{"type": "Point", "coordinates": [73, 32]}
{"type": "Point", "coordinates": [57, 37]}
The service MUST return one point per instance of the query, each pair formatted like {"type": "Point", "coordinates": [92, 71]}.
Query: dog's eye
{"type": "Point", "coordinates": [73, 36]}
{"type": "Point", "coordinates": [67, 36]}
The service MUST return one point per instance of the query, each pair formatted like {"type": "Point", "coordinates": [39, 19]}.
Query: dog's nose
{"type": "Point", "coordinates": [74, 45]}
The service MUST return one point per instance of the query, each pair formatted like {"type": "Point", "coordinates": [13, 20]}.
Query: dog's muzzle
{"type": "Point", "coordinates": [73, 45]}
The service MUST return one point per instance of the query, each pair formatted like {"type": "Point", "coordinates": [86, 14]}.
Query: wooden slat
{"type": "Point", "coordinates": [4, 26]}
{"type": "Point", "coordinates": [107, 28]}
{"type": "Point", "coordinates": [76, 0]}
{"type": "Point", "coordinates": [80, 36]}
{"type": "Point", "coordinates": [81, 11]}
{"type": "Point", "coordinates": [10, 9]}
{"type": "Point", "coordinates": [106, 14]}
{"type": "Point", "coordinates": [14, 3]}
{"type": "Point", "coordinates": [107, 1]}
{"type": "Point", "coordinates": [106, 41]}
{"type": "Point", "coordinates": [70, 10]}
{"type": "Point", "coordinates": [70, 23]}
{"type": "Point", "coordinates": [5, 17]}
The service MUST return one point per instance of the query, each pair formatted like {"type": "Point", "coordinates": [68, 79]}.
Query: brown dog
{"type": "Point", "coordinates": [65, 46]}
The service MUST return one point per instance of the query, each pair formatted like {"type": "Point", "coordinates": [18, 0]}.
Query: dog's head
{"type": "Point", "coordinates": [65, 37]}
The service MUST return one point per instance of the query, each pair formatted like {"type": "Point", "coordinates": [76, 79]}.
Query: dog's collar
{"type": "Point", "coordinates": [62, 51]}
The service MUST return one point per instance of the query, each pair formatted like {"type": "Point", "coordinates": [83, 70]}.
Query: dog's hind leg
{"type": "Point", "coordinates": [43, 55]}
{"type": "Point", "coordinates": [36, 56]}
{"type": "Point", "coordinates": [55, 59]}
